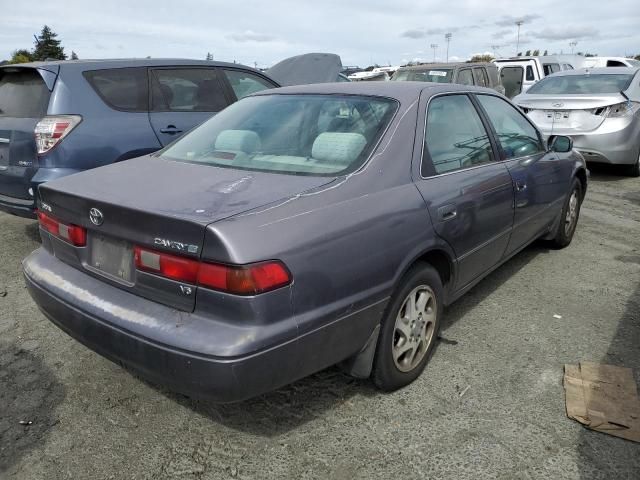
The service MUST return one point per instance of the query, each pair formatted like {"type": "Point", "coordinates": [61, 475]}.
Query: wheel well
{"type": "Point", "coordinates": [439, 260]}
{"type": "Point", "coordinates": [582, 176]}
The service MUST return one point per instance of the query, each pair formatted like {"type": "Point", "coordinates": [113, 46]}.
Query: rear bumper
{"type": "Point", "coordinates": [220, 378]}
{"type": "Point", "coordinates": [616, 141]}
{"type": "Point", "coordinates": [18, 206]}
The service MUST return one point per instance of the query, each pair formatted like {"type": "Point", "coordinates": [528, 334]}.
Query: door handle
{"type": "Point", "coordinates": [448, 212]}
{"type": "Point", "coordinates": [521, 186]}
{"type": "Point", "coordinates": [170, 129]}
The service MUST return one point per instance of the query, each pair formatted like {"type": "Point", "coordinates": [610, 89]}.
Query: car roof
{"type": "Point", "coordinates": [598, 71]}
{"type": "Point", "coordinates": [426, 66]}
{"type": "Point", "coordinates": [401, 91]}
{"type": "Point", "coordinates": [128, 62]}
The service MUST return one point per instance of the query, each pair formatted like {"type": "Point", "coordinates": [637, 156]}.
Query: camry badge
{"type": "Point", "coordinates": [96, 216]}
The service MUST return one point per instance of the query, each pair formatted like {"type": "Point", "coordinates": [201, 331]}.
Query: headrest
{"type": "Point", "coordinates": [246, 141]}
{"type": "Point", "coordinates": [338, 147]}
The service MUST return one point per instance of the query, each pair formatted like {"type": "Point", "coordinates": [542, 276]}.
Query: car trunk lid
{"type": "Point", "coordinates": [160, 205]}
{"type": "Point", "coordinates": [568, 113]}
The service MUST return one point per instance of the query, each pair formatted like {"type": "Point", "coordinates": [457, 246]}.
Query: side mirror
{"type": "Point", "coordinates": [560, 144]}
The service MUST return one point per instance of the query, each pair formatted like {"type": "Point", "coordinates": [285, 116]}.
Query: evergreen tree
{"type": "Point", "coordinates": [47, 46]}
{"type": "Point", "coordinates": [536, 53]}
{"type": "Point", "coordinates": [74, 55]}
{"type": "Point", "coordinates": [209, 57]}
{"type": "Point", "coordinates": [545, 53]}
{"type": "Point", "coordinates": [528, 53]}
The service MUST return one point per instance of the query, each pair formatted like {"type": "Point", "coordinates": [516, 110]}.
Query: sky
{"type": "Point", "coordinates": [362, 32]}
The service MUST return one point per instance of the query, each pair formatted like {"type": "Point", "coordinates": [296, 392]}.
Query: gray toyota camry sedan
{"type": "Point", "coordinates": [300, 228]}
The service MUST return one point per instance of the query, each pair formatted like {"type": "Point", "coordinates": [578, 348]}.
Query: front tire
{"type": "Point", "coordinates": [569, 216]}
{"type": "Point", "coordinates": [634, 170]}
{"type": "Point", "coordinates": [409, 329]}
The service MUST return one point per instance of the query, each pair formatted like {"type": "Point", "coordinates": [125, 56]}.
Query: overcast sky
{"type": "Point", "coordinates": [362, 32]}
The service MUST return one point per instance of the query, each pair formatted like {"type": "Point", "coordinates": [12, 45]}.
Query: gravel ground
{"type": "Point", "coordinates": [501, 345]}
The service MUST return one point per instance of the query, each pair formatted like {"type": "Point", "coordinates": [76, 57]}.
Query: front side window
{"type": "Point", "coordinates": [187, 90]}
{"type": "Point", "coordinates": [585, 84]}
{"type": "Point", "coordinates": [516, 136]}
{"type": "Point", "coordinates": [245, 83]}
{"type": "Point", "coordinates": [455, 137]}
{"type": "Point", "coordinates": [322, 135]}
{"type": "Point", "coordinates": [121, 88]}
{"type": "Point", "coordinates": [465, 77]}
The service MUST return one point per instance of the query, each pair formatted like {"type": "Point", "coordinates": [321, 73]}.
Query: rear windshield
{"type": "Point", "coordinates": [436, 75]}
{"type": "Point", "coordinates": [23, 94]}
{"type": "Point", "coordinates": [321, 135]}
{"type": "Point", "coordinates": [577, 84]}
{"type": "Point", "coordinates": [121, 88]}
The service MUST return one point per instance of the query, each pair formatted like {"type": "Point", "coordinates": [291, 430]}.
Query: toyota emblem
{"type": "Point", "coordinates": [96, 216]}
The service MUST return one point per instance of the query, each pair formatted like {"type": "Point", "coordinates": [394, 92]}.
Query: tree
{"type": "Point", "coordinates": [637, 57]}
{"type": "Point", "coordinates": [519, 54]}
{"type": "Point", "coordinates": [536, 53]}
{"type": "Point", "coordinates": [21, 56]}
{"type": "Point", "coordinates": [209, 57]}
{"type": "Point", "coordinates": [47, 46]}
{"type": "Point", "coordinates": [481, 59]}
{"type": "Point", "coordinates": [527, 53]}
{"type": "Point", "coordinates": [74, 55]}
{"type": "Point", "coordinates": [545, 53]}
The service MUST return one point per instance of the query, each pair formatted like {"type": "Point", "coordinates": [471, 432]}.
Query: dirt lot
{"type": "Point", "coordinates": [91, 419]}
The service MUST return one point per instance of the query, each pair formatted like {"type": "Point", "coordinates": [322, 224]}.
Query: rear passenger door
{"type": "Point", "coordinates": [467, 189]}
{"type": "Point", "coordinates": [182, 98]}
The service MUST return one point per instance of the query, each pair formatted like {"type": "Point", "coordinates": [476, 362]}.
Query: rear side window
{"type": "Point", "coordinates": [187, 90]}
{"type": "Point", "coordinates": [465, 77]}
{"type": "Point", "coordinates": [550, 68]}
{"type": "Point", "coordinates": [245, 83]}
{"type": "Point", "coordinates": [481, 78]}
{"type": "Point", "coordinates": [530, 77]}
{"type": "Point", "coordinates": [455, 136]}
{"type": "Point", "coordinates": [121, 88]}
{"type": "Point", "coordinates": [23, 94]}
{"type": "Point", "coordinates": [615, 63]}
{"type": "Point", "coordinates": [516, 136]}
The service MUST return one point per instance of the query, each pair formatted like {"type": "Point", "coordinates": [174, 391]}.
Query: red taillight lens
{"type": "Point", "coordinates": [239, 280]}
{"type": "Point", "coordinates": [170, 266]}
{"type": "Point", "coordinates": [52, 129]}
{"type": "Point", "coordinates": [72, 234]}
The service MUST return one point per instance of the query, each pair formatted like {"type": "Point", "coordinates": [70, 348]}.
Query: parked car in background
{"type": "Point", "coordinates": [308, 68]}
{"type": "Point", "coordinates": [480, 74]}
{"type": "Point", "coordinates": [62, 117]}
{"type": "Point", "coordinates": [597, 62]}
{"type": "Point", "coordinates": [298, 228]}
{"type": "Point", "coordinates": [518, 74]}
{"type": "Point", "coordinates": [599, 108]}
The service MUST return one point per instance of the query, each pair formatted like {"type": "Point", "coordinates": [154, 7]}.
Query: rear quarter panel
{"type": "Point", "coordinates": [104, 136]}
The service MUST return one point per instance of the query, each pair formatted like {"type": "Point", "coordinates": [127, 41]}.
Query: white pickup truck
{"type": "Point", "coordinates": [519, 73]}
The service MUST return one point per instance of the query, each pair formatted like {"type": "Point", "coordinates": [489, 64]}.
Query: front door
{"type": "Point", "coordinates": [182, 98]}
{"type": "Point", "coordinates": [467, 190]}
{"type": "Point", "coordinates": [537, 177]}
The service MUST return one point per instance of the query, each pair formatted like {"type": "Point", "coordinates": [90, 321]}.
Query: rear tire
{"type": "Point", "coordinates": [409, 329]}
{"type": "Point", "coordinates": [569, 216]}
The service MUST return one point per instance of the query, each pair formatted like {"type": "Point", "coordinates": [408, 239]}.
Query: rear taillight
{"type": "Point", "coordinates": [70, 233]}
{"type": "Point", "coordinates": [625, 109]}
{"type": "Point", "coordinates": [52, 129]}
{"type": "Point", "coordinates": [237, 279]}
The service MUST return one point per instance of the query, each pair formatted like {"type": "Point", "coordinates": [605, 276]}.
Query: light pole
{"type": "Point", "coordinates": [434, 46]}
{"type": "Point", "coordinates": [447, 36]}
{"type": "Point", "coordinates": [573, 44]}
{"type": "Point", "coordinates": [519, 24]}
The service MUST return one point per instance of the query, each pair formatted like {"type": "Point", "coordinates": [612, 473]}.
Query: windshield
{"type": "Point", "coordinates": [297, 134]}
{"type": "Point", "coordinates": [436, 75]}
{"type": "Point", "coordinates": [23, 94]}
{"type": "Point", "coordinates": [577, 84]}
{"type": "Point", "coordinates": [633, 63]}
